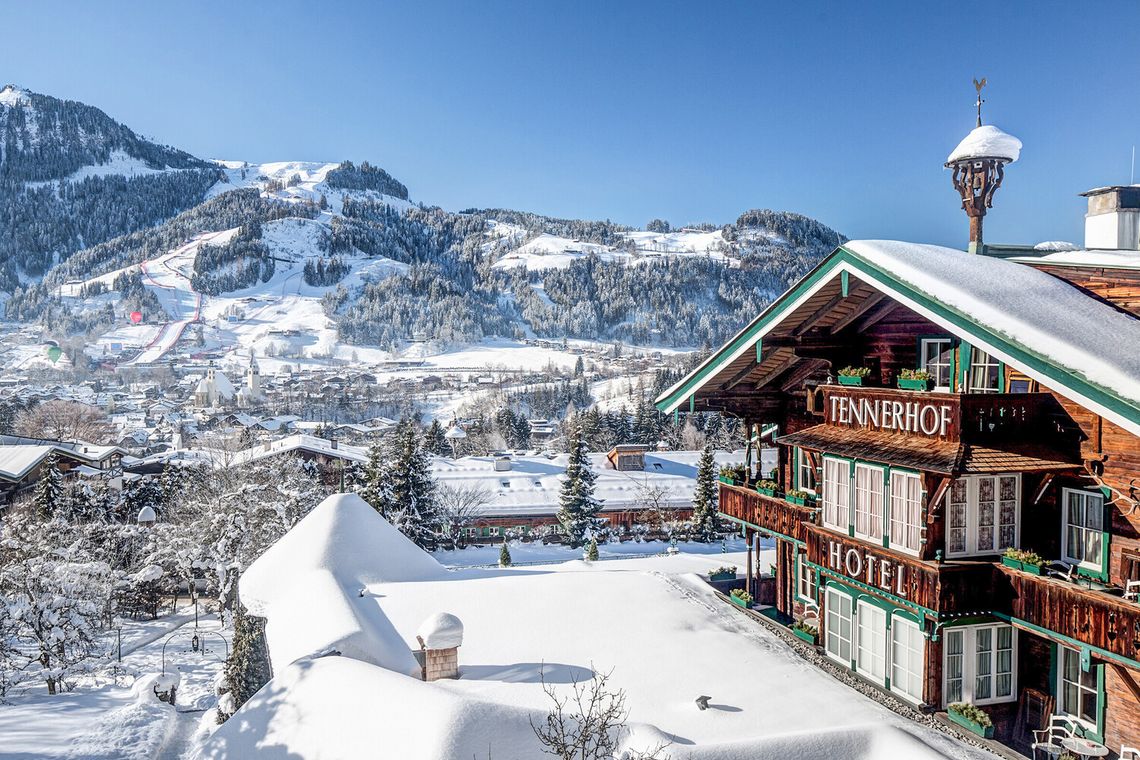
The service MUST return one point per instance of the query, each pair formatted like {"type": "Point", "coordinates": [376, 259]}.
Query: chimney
{"type": "Point", "coordinates": [502, 464]}
{"type": "Point", "coordinates": [440, 637]}
{"type": "Point", "coordinates": [1113, 220]}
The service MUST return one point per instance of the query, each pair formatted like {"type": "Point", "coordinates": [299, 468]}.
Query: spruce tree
{"type": "Point", "coordinates": [375, 489]}
{"type": "Point", "coordinates": [705, 520]}
{"type": "Point", "coordinates": [578, 509]}
{"type": "Point", "coordinates": [414, 509]}
{"type": "Point", "coordinates": [504, 556]}
{"type": "Point", "coordinates": [435, 441]}
{"type": "Point", "coordinates": [48, 495]}
{"type": "Point", "coordinates": [247, 668]}
{"type": "Point", "coordinates": [592, 550]}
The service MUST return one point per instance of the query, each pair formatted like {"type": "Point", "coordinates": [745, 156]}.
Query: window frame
{"type": "Point", "coordinates": [896, 623]}
{"type": "Point", "coordinates": [969, 657]}
{"type": "Point", "coordinates": [973, 506]}
{"type": "Point", "coordinates": [832, 593]}
{"type": "Point", "coordinates": [1085, 494]}
{"type": "Point", "coordinates": [802, 464]}
{"type": "Point", "coordinates": [950, 364]}
{"type": "Point", "coordinates": [806, 580]}
{"type": "Point", "coordinates": [1097, 672]}
{"type": "Point", "coordinates": [842, 512]}
{"type": "Point", "coordinates": [878, 475]}
{"type": "Point", "coordinates": [865, 613]}
{"type": "Point", "coordinates": [988, 361]}
{"type": "Point", "coordinates": [893, 542]}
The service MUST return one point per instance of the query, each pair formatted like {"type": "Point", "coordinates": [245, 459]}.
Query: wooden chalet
{"type": "Point", "coordinates": [1018, 428]}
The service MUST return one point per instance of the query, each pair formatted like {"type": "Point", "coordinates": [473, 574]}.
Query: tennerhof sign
{"type": "Point", "coordinates": [894, 412]}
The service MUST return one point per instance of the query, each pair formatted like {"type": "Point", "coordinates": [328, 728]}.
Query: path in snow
{"type": "Point", "coordinates": [168, 277]}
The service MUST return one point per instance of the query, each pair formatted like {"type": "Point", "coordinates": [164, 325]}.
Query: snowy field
{"type": "Point", "coordinates": [729, 552]}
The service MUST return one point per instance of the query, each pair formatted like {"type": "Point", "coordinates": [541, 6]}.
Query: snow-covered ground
{"type": "Point", "coordinates": [547, 251]}
{"type": "Point", "coordinates": [118, 717]}
{"type": "Point", "coordinates": [729, 552]}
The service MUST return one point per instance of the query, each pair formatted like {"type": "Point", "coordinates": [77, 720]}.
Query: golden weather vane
{"type": "Point", "coordinates": [978, 86]}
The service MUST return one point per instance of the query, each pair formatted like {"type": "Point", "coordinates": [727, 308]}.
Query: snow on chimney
{"type": "Point", "coordinates": [1113, 220]}
{"type": "Point", "coordinates": [440, 637]}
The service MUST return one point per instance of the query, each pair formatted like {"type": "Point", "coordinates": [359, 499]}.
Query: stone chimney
{"type": "Point", "coordinates": [440, 637]}
{"type": "Point", "coordinates": [1113, 220]}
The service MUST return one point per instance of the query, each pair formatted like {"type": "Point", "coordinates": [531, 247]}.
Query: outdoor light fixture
{"type": "Point", "coordinates": [194, 643]}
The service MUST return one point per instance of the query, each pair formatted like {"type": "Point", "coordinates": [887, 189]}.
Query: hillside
{"type": "Point", "coordinates": [341, 257]}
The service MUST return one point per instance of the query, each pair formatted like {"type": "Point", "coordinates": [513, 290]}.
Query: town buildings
{"type": "Point", "coordinates": [935, 409]}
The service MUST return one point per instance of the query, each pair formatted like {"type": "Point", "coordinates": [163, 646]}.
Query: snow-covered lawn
{"type": "Point", "coordinates": [115, 716]}
{"type": "Point", "coordinates": [728, 552]}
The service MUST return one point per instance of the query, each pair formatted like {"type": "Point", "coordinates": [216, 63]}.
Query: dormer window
{"type": "Point", "coordinates": [936, 356]}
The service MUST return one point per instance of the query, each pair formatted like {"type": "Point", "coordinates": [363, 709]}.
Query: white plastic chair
{"type": "Point", "coordinates": [1048, 739]}
{"type": "Point", "coordinates": [1063, 570]}
{"type": "Point", "coordinates": [1132, 594]}
{"type": "Point", "coordinates": [1129, 753]}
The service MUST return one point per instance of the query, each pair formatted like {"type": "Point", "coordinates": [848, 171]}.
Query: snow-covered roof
{"type": "Point", "coordinates": [17, 461]}
{"type": "Point", "coordinates": [19, 456]}
{"type": "Point", "coordinates": [1111, 259]}
{"type": "Point", "coordinates": [309, 585]}
{"type": "Point", "coordinates": [1045, 315]}
{"type": "Point", "coordinates": [302, 443]}
{"type": "Point", "coordinates": [987, 141]}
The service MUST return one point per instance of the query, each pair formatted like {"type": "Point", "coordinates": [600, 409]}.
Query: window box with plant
{"type": "Point", "coordinates": [853, 375]}
{"type": "Point", "coordinates": [807, 632]}
{"type": "Point", "coordinates": [972, 718]}
{"type": "Point", "coordinates": [767, 487]}
{"type": "Point", "coordinates": [725, 573]}
{"type": "Point", "coordinates": [800, 498]}
{"type": "Point", "coordinates": [740, 598]}
{"type": "Point", "coordinates": [1026, 561]}
{"type": "Point", "coordinates": [914, 380]}
{"type": "Point", "coordinates": [733, 474]}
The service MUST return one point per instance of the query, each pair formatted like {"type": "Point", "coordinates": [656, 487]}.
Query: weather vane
{"type": "Point", "coordinates": [978, 86]}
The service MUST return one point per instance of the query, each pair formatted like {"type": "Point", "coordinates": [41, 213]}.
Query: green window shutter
{"type": "Point", "coordinates": [965, 355]}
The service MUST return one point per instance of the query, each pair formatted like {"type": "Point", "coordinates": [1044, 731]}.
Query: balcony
{"type": "Point", "coordinates": [1098, 618]}
{"type": "Point", "coordinates": [765, 512]}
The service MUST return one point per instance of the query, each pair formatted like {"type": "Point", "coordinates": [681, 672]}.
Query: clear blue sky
{"type": "Point", "coordinates": [689, 111]}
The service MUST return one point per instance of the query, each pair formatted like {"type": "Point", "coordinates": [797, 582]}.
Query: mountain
{"type": "Point", "coordinates": [308, 260]}
{"type": "Point", "coordinates": [72, 177]}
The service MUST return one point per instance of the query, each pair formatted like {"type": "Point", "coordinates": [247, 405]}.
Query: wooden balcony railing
{"type": "Point", "coordinates": [766, 512]}
{"type": "Point", "coordinates": [1097, 618]}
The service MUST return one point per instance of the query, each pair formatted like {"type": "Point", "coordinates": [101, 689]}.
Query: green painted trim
{"type": "Point", "coordinates": [968, 620]}
{"type": "Point", "coordinates": [756, 527]}
{"type": "Point", "coordinates": [1100, 395]}
{"type": "Point", "coordinates": [1068, 641]}
{"type": "Point", "coordinates": [917, 620]}
{"type": "Point", "coordinates": [843, 580]}
{"type": "Point", "coordinates": [759, 349]}
{"type": "Point", "coordinates": [845, 282]}
{"type": "Point", "coordinates": [1101, 703]}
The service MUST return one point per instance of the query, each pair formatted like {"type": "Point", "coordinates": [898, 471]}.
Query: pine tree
{"type": "Point", "coordinates": [48, 496]}
{"type": "Point", "coordinates": [435, 441]}
{"type": "Point", "coordinates": [504, 556]}
{"type": "Point", "coordinates": [414, 509]}
{"type": "Point", "coordinates": [578, 509]}
{"type": "Point", "coordinates": [247, 668]}
{"type": "Point", "coordinates": [592, 550]}
{"type": "Point", "coordinates": [375, 488]}
{"type": "Point", "coordinates": [705, 520]}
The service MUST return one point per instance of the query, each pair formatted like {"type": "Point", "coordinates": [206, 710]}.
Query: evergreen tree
{"type": "Point", "coordinates": [413, 506]}
{"type": "Point", "coordinates": [592, 550]}
{"type": "Point", "coordinates": [434, 440]}
{"type": "Point", "coordinates": [48, 496]}
{"type": "Point", "coordinates": [247, 668]}
{"type": "Point", "coordinates": [504, 555]}
{"type": "Point", "coordinates": [375, 488]}
{"type": "Point", "coordinates": [705, 520]}
{"type": "Point", "coordinates": [578, 509]}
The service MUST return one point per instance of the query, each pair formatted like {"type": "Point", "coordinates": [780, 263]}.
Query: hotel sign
{"type": "Point", "coordinates": [860, 564]}
{"type": "Point", "coordinates": [907, 413]}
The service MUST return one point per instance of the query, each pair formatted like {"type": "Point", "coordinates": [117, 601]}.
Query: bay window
{"type": "Point", "coordinates": [982, 514]}
{"type": "Point", "coordinates": [906, 511]}
{"type": "Point", "coordinates": [979, 664]}
{"type": "Point", "coordinates": [1083, 537]}
{"type": "Point", "coordinates": [869, 502]}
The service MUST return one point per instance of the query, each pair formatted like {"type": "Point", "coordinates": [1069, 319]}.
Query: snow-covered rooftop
{"type": "Point", "coordinates": [1113, 259]}
{"type": "Point", "coordinates": [987, 141]}
{"type": "Point", "coordinates": [1046, 315]}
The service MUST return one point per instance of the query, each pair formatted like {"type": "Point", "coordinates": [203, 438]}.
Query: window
{"type": "Point", "coordinates": [979, 664]}
{"type": "Point", "coordinates": [1084, 523]}
{"type": "Point", "coordinates": [908, 653]}
{"type": "Point", "coordinates": [805, 580]}
{"type": "Point", "coordinates": [937, 358]}
{"type": "Point", "coordinates": [871, 655]}
{"type": "Point", "coordinates": [985, 373]}
{"type": "Point", "coordinates": [869, 502]}
{"type": "Point", "coordinates": [1077, 693]}
{"type": "Point", "coordinates": [982, 514]}
{"type": "Point", "coordinates": [805, 473]}
{"type": "Point", "coordinates": [836, 491]}
{"type": "Point", "coordinates": [906, 511]}
{"type": "Point", "coordinates": [838, 638]}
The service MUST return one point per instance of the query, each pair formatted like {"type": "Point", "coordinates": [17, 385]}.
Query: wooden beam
{"type": "Point", "coordinates": [1129, 681]}
{"type": "Point", "coordinates": [817, 315]}
{"type": "Point", "coordinates": [801, 373]}
{"type": "Point", "coordinates": [932, 506]}
{"type": "Point", "coordinates": [739, 377]}
{"type": "Point", "coordinates": [776, 371]}
{"type": "Point", "coordinates": [868, 303]}
{"type": "Point", "coordinates": [876, 316]}
{"type": "Point", "coordinates": [1045, 481]}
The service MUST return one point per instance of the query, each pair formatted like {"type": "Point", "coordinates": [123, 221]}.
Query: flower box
{"type": "Point", "coordinates": [800, 501]}
{"type": "Point", "coordinates": [740, 602]}
{"type": "Point", "coordinates": [722, 577]}
{"type": "Point", "coordinates": [850, 380]}
{"type": "Point", "coordinates": [986, 732]}
{"type": "Point", "coordinates": [811, 638]}
{"type": "Point", "coordinates": [1025, 567]}
{"type": "Point", "coordinates": [912, 384]}
{"type": "Point", "coordinates": [729, 481]}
